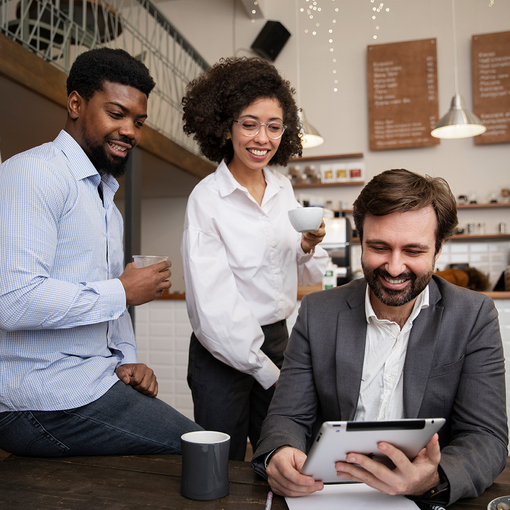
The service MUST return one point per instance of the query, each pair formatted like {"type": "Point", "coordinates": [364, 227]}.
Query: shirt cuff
{"type": "Point", "coordinates": [302, 257]}
{"type": "Point", "coordinates": [267, 375]}
{"type": "Point", "coordinates": [113, 298]}
{"type": "Point", "coordinates": [129, 355]}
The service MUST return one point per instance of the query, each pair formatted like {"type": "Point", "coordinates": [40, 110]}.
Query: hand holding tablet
{"type": "Point", "coordinates": [336, 439]}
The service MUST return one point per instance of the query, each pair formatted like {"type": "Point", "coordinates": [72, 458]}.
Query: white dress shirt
{"type": "Point", "coordinates": [242, 264]}
{"type": "Point", "coordinates": [381, 394]}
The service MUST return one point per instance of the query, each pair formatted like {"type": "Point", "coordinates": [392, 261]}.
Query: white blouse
{"type": "Point", "coordinates": [242, 264]}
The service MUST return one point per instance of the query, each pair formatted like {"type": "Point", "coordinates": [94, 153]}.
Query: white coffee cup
{"type": "Point", "coordinates": [306, 219]}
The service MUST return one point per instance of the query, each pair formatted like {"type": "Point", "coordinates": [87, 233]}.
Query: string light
{"type": "Point", "coordinates": [321, 20]}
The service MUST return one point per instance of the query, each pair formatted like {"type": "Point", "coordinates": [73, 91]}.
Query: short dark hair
{"type": "Point", "coordinates": [401, 191]}
{"type": "Point", "coordinates": [92, 68]}
{"type": "Point", "coordinates": [214, 100]}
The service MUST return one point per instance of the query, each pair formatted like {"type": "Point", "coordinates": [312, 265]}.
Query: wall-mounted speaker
{"type": "Point", "coordinates": [271, 40]}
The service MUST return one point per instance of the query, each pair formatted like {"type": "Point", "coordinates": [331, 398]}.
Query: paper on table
{"type": "Point", "coordinates": [352, 496]}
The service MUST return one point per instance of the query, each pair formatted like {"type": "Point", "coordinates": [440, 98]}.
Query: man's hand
{"type": "Point", "coordinates": [284, 474]}
{"type": "Point", "coordinates": [310, 239]}
{"type": "Point", "coordinates": [143, 284]}
{"type": "Point", "coordinates": [140, 376]}
{"type": "Point", "coordinates": [408, 478]}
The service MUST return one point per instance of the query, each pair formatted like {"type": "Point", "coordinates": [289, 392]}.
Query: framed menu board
{"type": "Point", "coordinates": [490, 55]}
{"type": "Point", "coordinates": [402, 94]}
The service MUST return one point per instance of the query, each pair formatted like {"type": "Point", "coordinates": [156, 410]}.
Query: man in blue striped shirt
{"type": "Point", "coordinates": [70, 383]}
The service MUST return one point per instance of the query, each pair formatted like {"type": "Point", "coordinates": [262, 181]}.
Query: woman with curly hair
{"type": "Point", "coordinates": [242, 259]}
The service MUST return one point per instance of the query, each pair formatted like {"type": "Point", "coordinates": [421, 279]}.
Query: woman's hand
{"type": "Point", "coordinates": [310, 239]}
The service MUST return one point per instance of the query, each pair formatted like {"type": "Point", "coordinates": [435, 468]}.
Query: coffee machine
{"type": "Point", "coordinates": [337, 243]}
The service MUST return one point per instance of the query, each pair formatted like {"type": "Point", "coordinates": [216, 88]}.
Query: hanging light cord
{"type": "Point", "coordinates": [298, 55]}
{"type": "Point", "coordinates": [455, 49]}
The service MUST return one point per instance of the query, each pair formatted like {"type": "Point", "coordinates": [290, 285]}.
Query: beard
{"type": "Point", "coordinates": [104, 163]}
{"type": "Point", "coordinates": [394, 297]}
{"type": "Point", "coordinates": [116, 167]}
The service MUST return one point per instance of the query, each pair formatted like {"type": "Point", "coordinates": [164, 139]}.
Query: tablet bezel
{"type": "Point", "coordinates": [336, 439]}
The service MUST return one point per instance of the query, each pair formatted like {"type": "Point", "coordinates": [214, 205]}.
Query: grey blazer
{"type": "Point", "coordinates": [454, 369]}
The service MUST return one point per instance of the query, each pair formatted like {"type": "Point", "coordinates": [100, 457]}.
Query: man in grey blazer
{"type": "Point", "coordinates": [407, 345]}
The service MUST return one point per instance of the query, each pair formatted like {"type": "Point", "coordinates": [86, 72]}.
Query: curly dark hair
{"type": "Point", "coordinates": [401, 191]}
{"type": "Point", "coordinates": [214, 100]}
{"type": "Point", "coordinates": [94, 67]}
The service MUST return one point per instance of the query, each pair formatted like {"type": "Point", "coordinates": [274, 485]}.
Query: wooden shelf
{"type": "Point", "coordinates": [496, 205]}
{"type": "Point", "coordinates": [466, 237]}
{"type": "Point", "coordinates": [479, 237]}
{"type": "Point", "coordinates": [499, 205]}
{"type": "Point", "coordinates": [328, 184]}
{"type": "Point", "coordinates": [356, 155]}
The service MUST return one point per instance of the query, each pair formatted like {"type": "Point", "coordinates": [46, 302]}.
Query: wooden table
{"type": "Point", "coordinates": [135, 482]}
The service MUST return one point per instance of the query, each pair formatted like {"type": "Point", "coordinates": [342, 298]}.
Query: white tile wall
{"type": "Point", "coordinates": [503, 306]}
{"type": "Point", "coordinates": [163, 331]}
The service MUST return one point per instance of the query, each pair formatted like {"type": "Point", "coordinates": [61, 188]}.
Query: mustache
{"type": "Point", "coordinates": [124, 139]}
{"type": "Point", "coordinates": [401, 276]}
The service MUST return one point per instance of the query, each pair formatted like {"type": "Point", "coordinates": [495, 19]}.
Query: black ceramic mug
{"type": "Point", "coordinates": [204, 465]}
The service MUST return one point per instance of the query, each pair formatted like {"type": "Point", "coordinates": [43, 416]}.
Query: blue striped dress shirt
{"type": "Point", "coordinates": [64, 327]}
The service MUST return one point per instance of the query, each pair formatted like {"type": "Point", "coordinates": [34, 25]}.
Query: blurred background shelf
{"type": "Point", "coordinates": [327, 184]}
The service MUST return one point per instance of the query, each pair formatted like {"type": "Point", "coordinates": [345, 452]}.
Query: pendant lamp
{"type": "Point", "coordinates": [458, 122]}
{"type": "Point", "coordinates": [310, 136]}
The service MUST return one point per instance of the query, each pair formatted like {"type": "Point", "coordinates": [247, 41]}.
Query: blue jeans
{"type": "Point", "coordinates": [122, 422]}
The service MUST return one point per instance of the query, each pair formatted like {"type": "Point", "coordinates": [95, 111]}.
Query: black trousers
{"type": "Point", "coordinates": [230, 401]}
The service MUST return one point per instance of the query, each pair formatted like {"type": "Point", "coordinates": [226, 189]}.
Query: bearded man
{"type": "Point", "coordinates": [70, 383]}
{"type": "Point", "coordinates": [400, 343]}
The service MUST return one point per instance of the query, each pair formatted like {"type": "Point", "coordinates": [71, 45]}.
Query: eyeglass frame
{"type": "Point", "coordinates": [240, 122]}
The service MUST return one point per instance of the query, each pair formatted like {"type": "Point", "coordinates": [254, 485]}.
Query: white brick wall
{"type": "Point", "coordinates": [163, 332]}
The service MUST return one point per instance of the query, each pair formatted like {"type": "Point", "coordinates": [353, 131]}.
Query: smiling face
{"type": "Point", "coordinates": [254, 152]}
{"type": "Point", "coordinates": [109, 125]}
{"type": "Point", "coordinates": [398, 256]}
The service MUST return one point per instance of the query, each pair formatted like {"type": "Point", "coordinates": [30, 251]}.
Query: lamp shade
{"type": "Point", "coordinates": [459, 122]}
{"type": "Point", "coordinates": [309, 135]}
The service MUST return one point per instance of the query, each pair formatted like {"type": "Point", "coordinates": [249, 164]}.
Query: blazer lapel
{"type": "Point", "coordinates": [350, 351]}
{"type": "Point", "coordinates": [420, 351]}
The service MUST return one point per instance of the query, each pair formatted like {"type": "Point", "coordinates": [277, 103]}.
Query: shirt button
{"type": "Point", "coordinates": [111, 314]}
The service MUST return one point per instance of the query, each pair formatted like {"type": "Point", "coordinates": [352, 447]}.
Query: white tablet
{"type": "Point", "coordinates": [338, 438]}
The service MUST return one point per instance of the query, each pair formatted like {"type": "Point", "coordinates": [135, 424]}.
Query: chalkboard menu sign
{"type": "Point", "coordinates": [402, 94]}
{"type": "Point", "coordinates": [491, 85]}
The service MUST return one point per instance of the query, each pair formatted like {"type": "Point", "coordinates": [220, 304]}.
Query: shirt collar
{"type": "Point", "coordinates": [79, 163]}
{"type": "Point", "coordinates": [422, 301]}
{"type": "Point", "coordinates": [227, 183]}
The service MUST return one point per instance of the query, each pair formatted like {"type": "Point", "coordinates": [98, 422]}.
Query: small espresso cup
{"type": "Point", "coordinates": [204, 465]}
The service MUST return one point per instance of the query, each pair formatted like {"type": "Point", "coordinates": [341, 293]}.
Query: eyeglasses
{"type": "Point", "coordinates": [251, 127]}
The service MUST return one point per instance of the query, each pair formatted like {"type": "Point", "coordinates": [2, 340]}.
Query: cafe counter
{"type": "Point", "coordinates": [303, 291]}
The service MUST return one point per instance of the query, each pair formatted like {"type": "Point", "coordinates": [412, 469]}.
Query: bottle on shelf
{"type": "Point", "coordinates": [329, 279]}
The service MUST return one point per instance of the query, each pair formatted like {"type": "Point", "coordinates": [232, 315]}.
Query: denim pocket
{"type": "Point", "coordinates": [22, 434]}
